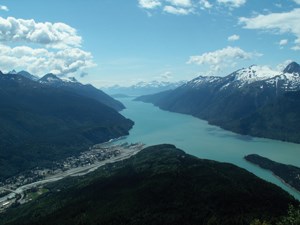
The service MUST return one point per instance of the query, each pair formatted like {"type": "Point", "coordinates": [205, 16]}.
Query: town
{"type": "Point", "coordinates": [14, 190]}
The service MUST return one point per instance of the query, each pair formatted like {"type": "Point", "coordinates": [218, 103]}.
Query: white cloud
{"type": "Point", "coordinates": [222, 58]}
{"type": "Point", "coordinates": [233, 37]}
{"type": "Point", "coordinates": [40, 61]}
{"type": "Point", "coordinates": [280, 23]}
{"type": "Point", "coordinates": [232, 3]}
{"type": "Point", "coordinates": [186, 7]}
{"type": "Point", "coordinates": [283, 42]}
{"type": "Point", "coordinates": [166, 75]}
{"type": "Point", "coordinates": [205, 4]}
{"type": "Point", "coordinates": [181, 3]}
{"type": "Point", "coordinates": [55, 35]}
{"type": "Point", "coordinates": [177, 10]}
{"type": "Point", "coordinates": [278, 5]}
{"type": "Point", "coordinates": [297, 1]}
{"type": "Point", "coordinates": [4, 8]}
{"type": "Point", "coordinates": [149, 4]}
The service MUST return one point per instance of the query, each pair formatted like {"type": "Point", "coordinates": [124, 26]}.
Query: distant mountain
{"type": "Point", "coordinates": [40, 123]}
{"type": "Point", "coordinates": [143, 88]}
{"type": "Point", "coordinates": [87, 90]}
{"type": "Point", "coordinates": [28, 75]}
{"type": "Point", "coordinates": [253, 101]}
{"type": "Point", "coordinates": [160, 185]}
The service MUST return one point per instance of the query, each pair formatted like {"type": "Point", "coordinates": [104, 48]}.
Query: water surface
{"type": "Point", "coordinates": [197, 137]}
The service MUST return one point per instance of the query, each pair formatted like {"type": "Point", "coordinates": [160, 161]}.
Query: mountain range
{"type": "Point", "coordinates": [143, 88]}
{"type": "Point", "coordinates": [253, 101]}
{"type": "Point", "coordinates": [43, 121]}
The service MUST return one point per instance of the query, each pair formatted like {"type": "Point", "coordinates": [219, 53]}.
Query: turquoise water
{"type": "Point", "coordinates": [197, 137]}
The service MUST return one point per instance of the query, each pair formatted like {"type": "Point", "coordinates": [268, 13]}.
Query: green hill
{"type": "Point", "coordinates": [159, 185]}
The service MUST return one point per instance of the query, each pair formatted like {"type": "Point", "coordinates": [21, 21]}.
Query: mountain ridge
{"type": "Point", "coordinates": [240, 102]}
{"type": "Point", "coordinates": [143, 88]}
{"type": "Point", "coordinates": [87, 90]}
{"type": "Point", "coordinates": [41, 123]}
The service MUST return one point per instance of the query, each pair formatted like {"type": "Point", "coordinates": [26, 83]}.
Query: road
{"type": "Point", "coordinates": [79, 171]}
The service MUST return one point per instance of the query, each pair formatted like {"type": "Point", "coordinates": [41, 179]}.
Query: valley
{"type": "Point", "coordinates": [197, 137]}
{"type": "Point", "coordinates": [159, 185]}
{"type": "Point", "coordinates": [152, 112]}
{"type": "Point", "coordinates": [15, 188]}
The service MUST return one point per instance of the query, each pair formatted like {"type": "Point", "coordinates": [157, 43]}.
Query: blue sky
{"type": "Point", "coordinates": [106, 42]}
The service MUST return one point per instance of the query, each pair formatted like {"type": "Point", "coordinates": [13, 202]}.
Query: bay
{"type": "Point", "coordinates": [196, 137]}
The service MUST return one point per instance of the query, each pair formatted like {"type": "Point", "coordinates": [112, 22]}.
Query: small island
{"type": "Point", "coordinates": [288, 173]}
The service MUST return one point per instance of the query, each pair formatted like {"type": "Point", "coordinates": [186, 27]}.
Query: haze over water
{"type": "Point", "coordinates": [197, 137]}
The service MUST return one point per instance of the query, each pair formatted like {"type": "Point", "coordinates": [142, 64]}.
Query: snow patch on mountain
{"type": "Point", "coordinates": [198, 81]}
{"type": "Point", "coordinates": [288, 79]}
{"type": "Point", "coordinates": [255, 73]}
{"type": "Point", "coordinates": [143, 88]}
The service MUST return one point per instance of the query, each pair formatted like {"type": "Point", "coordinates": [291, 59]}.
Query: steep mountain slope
{"type": "Point", "coordinates": [236, 101]}
{"type": "Point", "coordinates": [143, 88]}
{"type": "Point", "coordinates": [160, 185]}
{"type": "Point", "coordinates": [40, 124]}
{"type": "Point", "coordinates": [71, 84]}
{"type": "Point", "coordinates": [28, 75]}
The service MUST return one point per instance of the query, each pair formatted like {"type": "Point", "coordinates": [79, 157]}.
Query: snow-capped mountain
{"type": "Point", "coordinates": [52, 79]}
{"type": "Point", "coordinates": [143, 88]}
{"type": "Point", "coordinates": [286, 80]}
{"type": "Point", "coordinates": [255, 100]}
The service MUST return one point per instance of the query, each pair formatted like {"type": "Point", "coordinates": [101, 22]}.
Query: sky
{"type": "Point", "coordinates": [109, 42]}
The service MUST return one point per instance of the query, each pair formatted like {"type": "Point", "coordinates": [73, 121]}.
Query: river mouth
{"type": "Point", "coordinates": [197, 137]}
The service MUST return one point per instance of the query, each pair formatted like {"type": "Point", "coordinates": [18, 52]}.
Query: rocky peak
{"type": "Point", "coordinates": [293, 67]}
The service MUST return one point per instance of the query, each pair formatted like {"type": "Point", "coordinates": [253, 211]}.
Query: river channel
{"type": "Point", "coordinates": [198, 138]}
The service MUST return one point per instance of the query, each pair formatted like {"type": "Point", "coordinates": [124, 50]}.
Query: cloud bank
{"type": "Point", "coordinates": [54, 47]}
{"type": "Point", "coordinates": [55, 35]}
{"type": "Point", "coordinates": [41, 61]}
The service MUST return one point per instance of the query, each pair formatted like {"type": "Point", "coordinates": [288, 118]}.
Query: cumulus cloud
{"type": "Point", "coordinates": [297, 1]}
{"type": "Point", "coordinates": [55, 35]}
{"type": "Point", "coordinates": [177, 10]}
{"type": "Point", "coordinates": [166, 75]}
{"type": "Point", "coordinates": [177, 7]}
{"type": "Point", "coordinates": [149, 4]}
{"type": "Point", "coordinates": [278, 23]}
{"type": "Point", "coordinates": [4, 8]}
{"type": "Point", "coordinates": [233, 37]}
{"type": "Point", "coordinates": [181, 3]}
{"type": "Point", "coordinates": [40, 61]}
{"type": "Point", "coordinates": [283, 42]}
{"type": "Point", "coordinates": [205, 4]}
{"type": "Point", "coordinates": [232, 3]}
{"type": "Point", "coordinates": [222, 58]}
{"type": "Point", "coordinates": [54, 47]}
